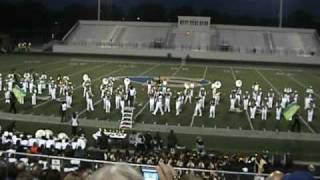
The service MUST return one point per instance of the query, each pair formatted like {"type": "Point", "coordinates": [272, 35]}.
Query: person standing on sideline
{"type": "Point", "coordinates": [13, 101]}
{"type": "Point", "coordinates": [74, 123]}
{"type": "Point", "coordinates": [131, 96]}
{"type": "Point", "coordinates": [63, 110]}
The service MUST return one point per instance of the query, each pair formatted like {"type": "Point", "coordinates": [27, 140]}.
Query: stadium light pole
{"type": "Point", "coordinates": [280, 13]}
{"type": "Point", "coordinates": [99, 9]}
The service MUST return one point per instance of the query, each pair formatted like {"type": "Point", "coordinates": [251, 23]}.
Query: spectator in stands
{"type": "Point", "coordinates": [200, 145]}
{"type": "Point", "coordinates": [73, 176]}
{"type": "Point", "coordinates": [80, 153]}
{"type": "Point", "coordinates": [140, 143]}
{"type": "Point", "coordinates": [24, 176]}
{"type": "Point", "coordinates": [172, 140]}
{"type": "Point", "coordinates": [276, 175]}
{"type": "Point", "coordinates": [35, 148]}
{"type": "Point", "coordinates": [117, 172]}
{"type": "Point", "coordinates": [148, 141]}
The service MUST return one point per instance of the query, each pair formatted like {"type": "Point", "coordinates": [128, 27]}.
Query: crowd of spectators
{"type": "Point", "coordinates": [140, 148]}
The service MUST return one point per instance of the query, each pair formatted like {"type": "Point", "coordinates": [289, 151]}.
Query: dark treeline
{"type": "Point", "coordinates": [32, 20]}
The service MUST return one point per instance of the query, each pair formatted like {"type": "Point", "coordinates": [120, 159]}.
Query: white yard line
{"type": "Point", "coordinates": [75, 73]}
{"type": "Point", "coordinates": [279, 94]}
{"type": "Point", "coordinates": [205, 73]}
{"type": "Point", "coordinates": [268, 82]}
{"type": "Point", "coordinates": [177, 71]}
{"type": "Point", "coordinates": [233, 74]}
{"type": "Point", "coordinates": [192, 121]}
{"type": "Point", "coordinates": [143, 73]}
{"type": "Point", "coordinates": [247, 114]}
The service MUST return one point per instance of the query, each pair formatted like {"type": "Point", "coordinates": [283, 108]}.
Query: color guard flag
{"type": "Point", "coordinates": [292, 109]}
{"type": "Point", "coordinates": [19, 93]}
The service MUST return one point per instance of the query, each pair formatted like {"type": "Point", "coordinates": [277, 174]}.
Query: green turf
{"type": "Point", "coordinates": [267, 76]}
{"type": "Point", "coordinates": [278, 76]}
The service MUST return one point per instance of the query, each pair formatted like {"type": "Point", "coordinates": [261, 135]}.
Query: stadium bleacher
{"type": "Point", "coordinates": [243, 39]}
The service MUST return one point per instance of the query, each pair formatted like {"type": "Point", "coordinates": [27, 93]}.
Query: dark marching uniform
{"type": "Point", "coordinates": [13, 101]}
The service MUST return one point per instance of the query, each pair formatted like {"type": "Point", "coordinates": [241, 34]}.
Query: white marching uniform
{"type": "Point", "coordinates": [1, 83]}
{"type": "Point", "coordinates": [34, 98]}
{"type": "Point", "coordinates": [232, 102]}
{"type": "Point", "coordinates": [7, 97]}
{"type": "Point", "coordinates": [245, 103]}
{"type": "Point", "coordinates": [197, 109]}
{"type": "Point", "coordinates": [307, 102]}
{"type": "Point", "coordinates": [212, 111]}
{"type": "Point", "coordinates": [122, 103]}
{"type": "Point", "coordinates": [253, 110]}
{"type": "Point", "coordinates": [295, 98]}
{"type": "Point", "coordinates": [25, 85]}
{"type": "Point", "coordinates": [284, 101]}
{"type": "Point", "coordinates": [117, 100]}
{"type": "Point", "coordinates": [10, 85]}
{"type": "Point", "coordinates": [54, 92]}
{"type": "Point", "coordinates": [107, 104]}
{"type": "Point", "coordinates": [68, 99]}
{"type": "Point", "coordinates": [278, 113]}
{"type": "Point", "coordinates": [187, 94]}
{"type": "Point", "coordinates": [126, 82]}
{"type": "Point", "coordinates": [149, 86]}
{"type": "Point", "coordinates": [310, 113]}
{"type": "Point", "coordinates": [31, 86]}
{"type": "Point", "coordinates": [89, 101]}
{"type": "Point", "coordinates": [151, 103]}
{"type": "Point", "coordinates": [39, 86]}
{"type": "Point", "coordinates": [167, 99]}
{"type": "Point", "coordinates": [202, 95]}
{"type": "Point", "coordinates": [179, 101]}
{"type": "Point", "coordinates": [270, 100]}
{"type": "Point", "coordinates": [258, 101]}
{"type": "Point", "coordinates": [158, 106]}
{"type": "Point", "coordinates": [264, 112]}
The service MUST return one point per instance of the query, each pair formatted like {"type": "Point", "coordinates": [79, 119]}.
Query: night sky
{"type": "Point", "coordinates": [259, 8]}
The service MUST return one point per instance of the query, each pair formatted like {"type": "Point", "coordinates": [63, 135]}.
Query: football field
{"type": "Point", "coordinates": [268, 76]}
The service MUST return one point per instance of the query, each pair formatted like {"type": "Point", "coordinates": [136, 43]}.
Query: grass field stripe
{"type": "Point", "coordinates": [279, 94]}
{"type": "Point", "coordinates": [141, 110]}
{"type": "Point", "coordinates": [247, 115]}
{"type": "Point", "coordinates": [302, 84]}
{"type": "Point", "coordinates": [35, 66]}
{"type": "Point", "coordinates": [100, 100]}
{"type": "Point", "coordinates": [192, 65]}
{"type": "Point", "coordinates": [177, 71]}
{"type": "Point", "coordinates": [192, 121]}
{"type": "Point", "coordinates": [205, 73]}
{"type": "Point", "coordinates": [85, 70]}
{"type": "Point", "coordinates": [233, 74]}
{"type": "Point", "coordinates": [267, 81]}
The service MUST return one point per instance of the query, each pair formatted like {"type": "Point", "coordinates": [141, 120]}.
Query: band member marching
{"type": "Point", "coordinates": [167, 99]}
{"type": "Point", "coordinates": [212, 110]}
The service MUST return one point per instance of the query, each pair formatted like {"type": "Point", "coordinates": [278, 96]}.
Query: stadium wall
{"type": "Point", "coordinates": [208, 56]}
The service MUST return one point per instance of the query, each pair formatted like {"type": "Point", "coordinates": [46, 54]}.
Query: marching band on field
{"type": "Point", "coordinates": [253, 102]}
